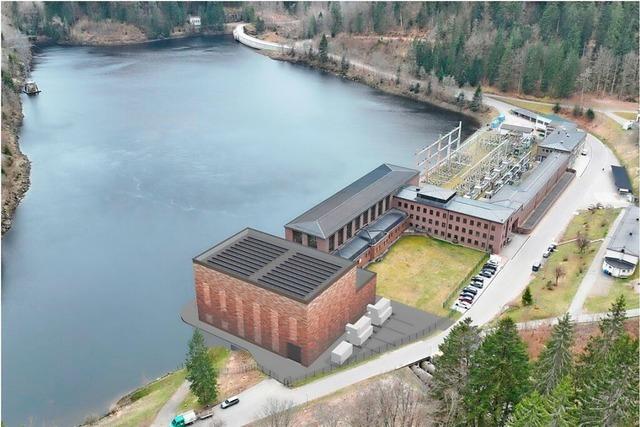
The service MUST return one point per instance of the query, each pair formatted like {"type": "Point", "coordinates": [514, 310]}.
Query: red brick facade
{"type": "Point", "coordinates": [383, 245]}
{"type": "Point", "coordinates": [271, 320]}
{"type": "Point", "coordinates": [455, 227]}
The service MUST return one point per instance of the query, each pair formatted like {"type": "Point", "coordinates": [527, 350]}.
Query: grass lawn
{"type": "Point", "coordinates": [602, 303]}
{"type": "Point", "coordinates": [532, 106]}
{"type": "Point", "coordinates": [219, 356]}
{"type": "Point", "coordinates": [422, 272]}
{"type": "Point", "coordinates": [629, 115]}
{"type": "Point", "coordinates": [141, 407]}
{"type": "Point", "coordinates": [550, 300]}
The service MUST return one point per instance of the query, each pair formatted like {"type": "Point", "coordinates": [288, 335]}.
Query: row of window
{"type": "Point", "coordinates": [456, 218]}
{"type": "Point", "coordinates": [464, 230]}
{"type": "Point", "coordinates": [360, 221]}
{"type": "Point", "coordinates": [455, 237]}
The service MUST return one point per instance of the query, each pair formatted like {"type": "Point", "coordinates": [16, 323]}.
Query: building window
{"type": "Point", "coordinates": [457, 228]}
{"type": "Point", "coordinates": [457, 219]}
{"type": "Point", "coordinates": [388, 200]}
{"type": "Point", "coordinates": [340, 238]}
{"type": "Point", "coordinates": [450, 216]}
{"type": "Point", "coordinates": [471, 222]}
{"type": "Point", "coordinates": [349, 231]}
{"type": "Point", "coordinates": [373, 212]}
{"type": "Point", "coordinates": [493, 228]}
{"type": "Point", "coordinates": [470, 232]}
{"type": "Point", "coordinates": [450, 226]}
{"type": "Point", "coordinates": [491, 237]}
{"type": "Point", "coordinates": [464, 220]}
{"type": "Point", "coordinates": [410, 216]}
{"type": "Point", "coordinates": [358, 222]}
{"type": "Point", "coordinates": [448, 235]}
{"type": "Point", "coordinates": [380, 208]}
{"type": "Point", "coordinates": [332, 242]}
{"type": "Point", "coordinates": [430, 221]}
{"type": "Point", "coordinates": [486, 225]}
{"type": "Point", "coordinates": [437, 223]}
{"type": "Point", "coordinates": [411, 207]}
{"type": "Point", "coordinates": [424, 210]}
{"type": "Point", "coordinates": [464, 229]}
{"type": "Point", "coordinates": [430, 211]}
{"type": "Point", "coordinates": [438, 214]}
{"type": "Point", "coordinates": [365, 215]}
{"type": "Point", "coordinates": [297, 236]}
{"type": "Point", "coordinates": [429, 230]}
{"type": "Point", "coordinates": [482, 245]}
{"type": "Point", "coordinates": [475, 242]}
{"type": "Point", "coordinates": [406, 206]}
{"type": "Point", "coordinates": [311, 241]}
{"type": "Point", "coordinates": [484, 235]}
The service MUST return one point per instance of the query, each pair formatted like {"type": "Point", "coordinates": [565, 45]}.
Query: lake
{"type": "Point", "coordinates": [142, 157]}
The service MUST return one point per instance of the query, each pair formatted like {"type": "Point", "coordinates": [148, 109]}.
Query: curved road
{"type": "Point", "coordinates": [593, 183]}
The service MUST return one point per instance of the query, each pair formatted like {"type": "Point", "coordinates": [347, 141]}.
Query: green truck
{"type": "Point", "coordinates": [184, 419]}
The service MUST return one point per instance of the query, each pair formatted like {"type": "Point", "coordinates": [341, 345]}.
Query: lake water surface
{"type": "Point", "coordinates": [142, 157]}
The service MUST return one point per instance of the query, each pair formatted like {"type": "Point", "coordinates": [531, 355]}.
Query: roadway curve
{"type": "Point", "coordinates": [593, 183]}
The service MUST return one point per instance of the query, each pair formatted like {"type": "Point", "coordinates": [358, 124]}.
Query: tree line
{"type": "Point", "coordinates": [538, 48]}
{"type": "Point", "coordinates": [490, 381]}
{"type": "Point", "coordinates": [156, 19]}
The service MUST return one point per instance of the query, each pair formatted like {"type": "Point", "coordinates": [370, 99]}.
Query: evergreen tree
{"type": "Point", "coordinates": [561, 405]}
{"type": "Point", "coordinates": [201, 373]}
{"type": "Point", "coordinates": [556, 360]}
{"type": "Point", "coordinates": [527, 298]}
{"type": "Point", "coordinates": [530, 412]}
{"type": "Point", "coordinates": [590, 114]}
{"type": "Point", "coordinates": [566, 80]}
{"type": "Point", "coordinates": [312, 28]}
{"type": "Point", "coordinates": [476, 102]}
{"type": "Point", "coordinates": [499, 376]}
{"type": "Point", "coordinates": [378, 16]}
{"type": "Point", "coordinates": [607, 375]}
{"type": "Point", "coordinates": [336, 18]}
{"type": "Point", "coordinates": [556, 108]}
{"type": "Point", "coordinates": [324, 49]}
{"type": "Point", "coordinates": [452, 370]}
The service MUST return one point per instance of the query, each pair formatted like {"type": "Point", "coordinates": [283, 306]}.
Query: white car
{"type": "Point", "coordinates": [230, 402]}
{"type": "Point", "coordinates": [462, 305]}
{"type": "Point", "coordinates": [584, 152]}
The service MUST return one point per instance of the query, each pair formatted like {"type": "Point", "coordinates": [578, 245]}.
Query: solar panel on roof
{"type": "Point", "coordinates": [246, 256]}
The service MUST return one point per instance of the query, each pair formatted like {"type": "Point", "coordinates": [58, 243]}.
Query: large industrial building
{"type": "Point", "coordinates": [285, 297]}
{"type": "Point", "coordinates": [621, 258]}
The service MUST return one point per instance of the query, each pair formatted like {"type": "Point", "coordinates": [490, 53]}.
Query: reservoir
{"type": "Point", "coordinates": [143, 157]}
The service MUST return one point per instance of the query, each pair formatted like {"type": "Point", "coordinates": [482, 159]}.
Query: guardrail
{"type": "Point", "coordinates": [256, 43]}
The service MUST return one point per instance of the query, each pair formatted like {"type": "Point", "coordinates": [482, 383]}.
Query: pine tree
{"type": "Point", "coordinates": [561, 405]}
{"type": "Point", "coordinates": [476, 102]}
{"type": "Point", "coordinates": [452, 370]}
{"type": "Point", "coordinates": [590, 114]}
{"type": "Point", "coordinates": [324, 49]}
{"type": "Point", "coordinates": [336, 18]}
{"type": "Point", "coordinates": [557, 108]}
{"type": "Point", "coordinates": [607, 374]}
{"type": "Point", "coordinates": [201, 372]}
{"type": "Point", "coordinates": [527, 298]}
{"type": "Point", "coordinates": [530, 412]}
{"type": "Point", "coordinates": [499, 376]}
{"type": "Point", "coordinates": [556, 360]}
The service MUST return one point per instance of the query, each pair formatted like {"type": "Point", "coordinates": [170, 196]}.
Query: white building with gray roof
{"type": "Point", "coordinates": [621, 257]}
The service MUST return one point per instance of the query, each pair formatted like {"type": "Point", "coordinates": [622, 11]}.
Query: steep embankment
{"type": "Point", "coordinates": [16, 57]}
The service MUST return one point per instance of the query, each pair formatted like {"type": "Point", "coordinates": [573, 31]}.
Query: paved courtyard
{"type": "Point", "coordinates": [405, 325]}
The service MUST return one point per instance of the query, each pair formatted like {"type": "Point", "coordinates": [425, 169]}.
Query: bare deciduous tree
{"type": "Point", "coordinates": [277, 413]}
{"type": "Point", "coordinates": [559, 272]}
{"type": "Point", "coordinates": [582, 242]}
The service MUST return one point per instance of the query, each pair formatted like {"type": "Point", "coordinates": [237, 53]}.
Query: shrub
{"type": "Point", "coordinates": [577, 110]}
{"type": "Point", "coordinates": [590, 114]}
{"type": "Point", "coordinates": [556, 108]}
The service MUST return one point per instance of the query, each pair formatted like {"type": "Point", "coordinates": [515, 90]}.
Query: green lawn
{"type": "Point", "coordinates": [219, 356]}
{"type": "Point", "coordinates": [550, 300]}
{"type": "Point", "coordinates": [423, 272]}
{"type": "Point", "coordinates": [143, 405]}
{"type": "Point", "coordinates": [602, 303]}
{"type": "Point", "coordinates": [532, 106]}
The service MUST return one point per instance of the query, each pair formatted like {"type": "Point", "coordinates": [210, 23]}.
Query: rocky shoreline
{"type": "Point", "coordinates": [16, 60]}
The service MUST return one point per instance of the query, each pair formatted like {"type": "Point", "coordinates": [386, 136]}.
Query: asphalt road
{"type": "Point", "coordinates": [593, 183]}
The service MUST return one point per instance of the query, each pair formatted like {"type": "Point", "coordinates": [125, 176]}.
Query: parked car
{"type": "Point", "coordinates": [470, 289]}
{"type": "Point", "coordinates": [553, 246]}
{"type": "Point", "coordinates": [230, 402]}
{"type": "Point", "coordinates": [478, 285]}
{"type": "Point", "coordinates": [467, 295]}
{"type": "Point", "coordinates": [462, 305]}
{"type": "Point", "coordinates": [546, 254]}
{"type": "Point", "coordinates": [536, 266]}
{"type": "Point", "coordinates": [477, 279]}
{"type": "Point", "coordinates": [493, 262]}
{"type": "Point", "coordinates": [485, 273]}
{"type": "Point", "coordinates": [584, 152]}
{"type": "Point", "coordinates": [467, 300]}
{"type": "Point", "coordinates": [551, 249]}
{"type": "Point", "coordinates": [489, 267]}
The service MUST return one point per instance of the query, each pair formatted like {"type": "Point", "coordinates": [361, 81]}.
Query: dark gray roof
{"type": "Point", "coordinates": [621, 178]}
{"type": "Point", "coordinates": [435, 193]}
{"type": "Point", "coordinates": [563, 138]}
{"type": "Point", "coordinates": [531, 114]}
{"type": "Point", "coordinates": [329, 216]}
{"type": "Point", "coordinates": [626, 237]}
{"type": "Point", "coordinates": [516, 128]}
{"type": "Point", "coordinates": [281, 266]}
{"type": "Point", "coordinates": [515, 196]}
{"type": "Point", "coordinates": [461, 205]}
{"type": "Point", "coordinates": [371, 234]}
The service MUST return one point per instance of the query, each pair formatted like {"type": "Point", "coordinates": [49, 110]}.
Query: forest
{"type": "Point", "coordinates": [539, 48]}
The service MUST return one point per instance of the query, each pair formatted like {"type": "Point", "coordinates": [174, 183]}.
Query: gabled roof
{"type": "Point", "coordinates": [626, 237]}
{"type": "Point", "coordinates": [278, 265]}
{"type": "Point", "coordinates": [329, 216]}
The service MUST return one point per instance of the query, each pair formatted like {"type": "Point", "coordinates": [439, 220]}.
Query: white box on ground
{"type": "Point", "coordinates": [360, 331]}
{"type": "Point", "coordinates": [341, 353]}
{"type": "Point", "coordinates": [379, 312]}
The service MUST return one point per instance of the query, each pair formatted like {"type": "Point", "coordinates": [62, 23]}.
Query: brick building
{"type": "Point", "coordinates": [283, 296]}
{"type": "Point", "coordinates": [443, 214]}
{"type": "Point", "coordinates": [331, 223]}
